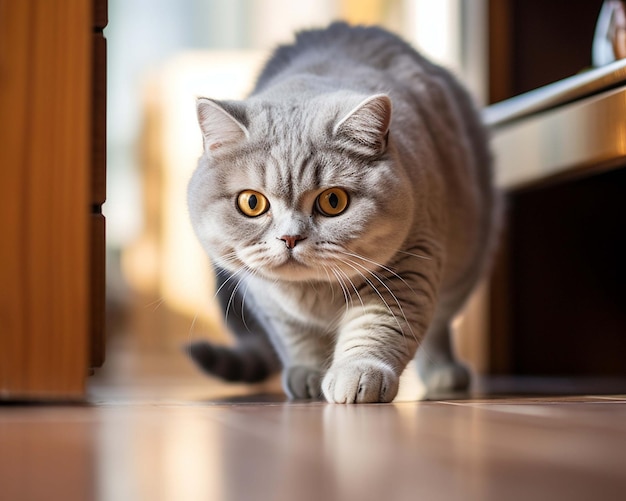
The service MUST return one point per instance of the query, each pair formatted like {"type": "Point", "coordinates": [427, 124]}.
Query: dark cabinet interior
{"type": "Point", "coordinates": [564, 260]}
{"type": "Point", "coordinates": [536, 42]}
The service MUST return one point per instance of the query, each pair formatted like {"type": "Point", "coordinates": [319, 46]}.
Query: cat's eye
{"type": "Point", "coordinates": [332, 202]}
{"type": "Point", "coordinates": [252, 203]}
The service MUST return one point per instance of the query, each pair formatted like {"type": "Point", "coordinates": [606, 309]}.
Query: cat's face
{"type": "Point", "coordinates": [298, 193]}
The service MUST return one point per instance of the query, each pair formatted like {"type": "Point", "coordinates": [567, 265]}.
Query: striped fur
{"type": "Point", "coordinates": [347, 307]}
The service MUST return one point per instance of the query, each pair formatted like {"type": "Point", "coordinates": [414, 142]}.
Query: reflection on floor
{"type": "Point", "coordinates": [155, 430]}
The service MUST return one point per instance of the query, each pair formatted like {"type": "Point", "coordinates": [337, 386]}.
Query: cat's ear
{"type": "Point", "coordinates": [222, 123]}
{"type": "Point", "coordinates": [367, 125]}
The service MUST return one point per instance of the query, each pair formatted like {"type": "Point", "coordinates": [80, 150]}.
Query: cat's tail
{"type": "Point", "coordinates": [247, 363]}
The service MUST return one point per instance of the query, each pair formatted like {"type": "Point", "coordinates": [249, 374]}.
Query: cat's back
{"type": "Point", "coordinates": [337, 50]}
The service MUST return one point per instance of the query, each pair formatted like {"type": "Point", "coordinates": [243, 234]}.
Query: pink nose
{"type": "Point", "coordinates": [291, 240]}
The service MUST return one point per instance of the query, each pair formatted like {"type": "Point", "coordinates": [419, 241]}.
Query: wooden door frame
{"type": "Point", "coordinates": [45, 98]}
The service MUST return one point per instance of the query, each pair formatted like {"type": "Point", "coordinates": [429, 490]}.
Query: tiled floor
{"type": "Point", "coordinates": [156, 430]}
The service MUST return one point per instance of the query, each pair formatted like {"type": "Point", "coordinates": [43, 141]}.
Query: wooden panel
{"type": "Point", "coordinates": [500, 299]}
{"type": "Point", "coordinates": [99, 121]}
{"type": "Point", "coordinates": [98, 186]}
{"type": "Point", "coordinates": [100, 14]}
{"type": "Point", "coordinates": [97, 287]}
{"type": "Point", "coordinates": [500, 86]}
{"type": "Point", "coordinates": [44, 197]}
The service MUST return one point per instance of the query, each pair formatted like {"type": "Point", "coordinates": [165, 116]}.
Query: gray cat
{"type": "Point", "coordinates": [348, 208]}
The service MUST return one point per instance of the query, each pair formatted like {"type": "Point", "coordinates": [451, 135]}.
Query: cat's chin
{"type": "Point", "coordinates": [292, 271]}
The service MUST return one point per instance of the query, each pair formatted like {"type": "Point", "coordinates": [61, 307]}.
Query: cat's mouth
{"type": "Point", "coordinates": [291, 268]}
{"type": "Point", "coordinates": [292, 262]}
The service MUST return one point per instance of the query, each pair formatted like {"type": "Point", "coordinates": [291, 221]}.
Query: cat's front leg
{"type": "Point", "coordinates": [302, 382]}
{"type": "Point", "coordinates": [373, 348]}
{"type": "Point", "coordinates": [305, 358]}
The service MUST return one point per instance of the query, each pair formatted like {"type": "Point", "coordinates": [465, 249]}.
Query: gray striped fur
{"type": "Point", "coordinates": [348, 307]}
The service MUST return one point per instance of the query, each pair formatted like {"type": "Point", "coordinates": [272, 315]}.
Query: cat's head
{"type": "Point", "coordinates": [299, 191]}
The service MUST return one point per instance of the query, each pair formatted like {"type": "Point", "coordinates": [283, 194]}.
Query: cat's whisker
{"type": "Point", "coordinates": [420, 256]}
{"type": "Point", "coordinates": [334, 270]}
{"type": "Point", "coordinates": [342, 275]}
{"type": "Point", "coordinates": [356, 291]}
{"type": "Point", "coordinates": [343, 288]}
{"type": "Point", "coordinates": [375, 289]}
{"type": "Point", "coordinates": [375, 263]}
{"type": "Point", "coordinates": [391, 293]}
{"type": "Point", "coordinates": [230, 255]}
{"type": "Point", "coordinates": [312, 285]}
{"type": "Point", "coordinates": [232, 295]}
{"type": "Point", "coordinates": [243, 303]}
{"type": "Point", "coordinates": [331, 283]}
{"type": "Point", "coordinates": [230, 277]}
{"type": "Point", "coordinates": [383, 267]}
{"type": "Point", "coordinates": [190, 335]}
{"type": "Point", "coordinates": [407, 253]}
{"type": "Point", "coordinates": [230, 258]}
{"type": "Point", "coordinates": [156, 303]}
{"type": "Point", "coordinates": [378, 293]}
{"type": "Point", "coordinates": [339, 273]}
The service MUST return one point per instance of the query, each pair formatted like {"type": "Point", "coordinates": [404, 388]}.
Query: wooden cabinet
{"type": "Point", "coordinates": [52, 87]}
{"type": "Point", "coordinates": [558, 303]}
{"type": "Point", "coordinates": [557, 294]}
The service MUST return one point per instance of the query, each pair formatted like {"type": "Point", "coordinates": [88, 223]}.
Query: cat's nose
{"type": "Point", "coordinates": [291, 240]}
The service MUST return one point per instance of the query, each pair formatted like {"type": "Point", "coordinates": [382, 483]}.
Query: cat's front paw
{"type": "Point", "coordinates": [361, 381]}
{"type": "Point", "coordinates": [302, 382]}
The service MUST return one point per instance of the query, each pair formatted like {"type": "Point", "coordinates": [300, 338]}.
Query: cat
{"type": "Point", "coordinates": [348, 208]}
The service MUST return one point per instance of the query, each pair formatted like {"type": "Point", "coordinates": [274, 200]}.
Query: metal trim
{"type": "Point", "coordinates": [587, 134]}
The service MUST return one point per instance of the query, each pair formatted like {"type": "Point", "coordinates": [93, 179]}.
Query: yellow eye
{"type": "Point", "coordinates": [252, 203]}
{"type": "Point", "coordinates": [332, 202]}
